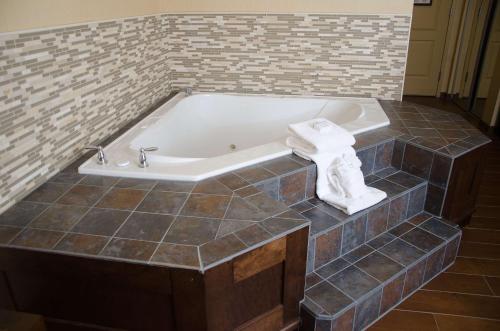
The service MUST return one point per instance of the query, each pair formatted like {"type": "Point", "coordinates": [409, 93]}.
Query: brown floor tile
{"type": "Point", "coordinates": [59, 217]}
{"type": "Point", "coordinates": [484, 223]}
{"type": "Point", "coordinates": [48, 192]}
{"type": "Point", "coordinates": [379, 266]}
{"type": "Point", "coordinates": [192, 231]}
{"type": "Point", "coordinates": [239, 209]}
{"type": "Point", "coordinates": [279, 225]}
{"type": "Point", "coordinates": [82, 195]}
{"type": "Point", "coordinates": [145, 226]}
{"type": "Point", "coordinates": [105, 181]}
{"type": "Point", "coordinates": [254, 174]}
{"type": "Point", "coordinates": [220, 248]}
{"type": "Point", "coordinates": [177, 254]}
{"type": "Point", "coordinates": [101, 221]}
{"type": "Point", "coordinates": [453, 303]}
{"type": "Point", "coordinates": [398, 320]}
{"type": "Point", "coordinates": [122, 198]}
{"type": "Point", "coordinates": [460, 323]}
{"type": "Point", "coordinates": [494, 283]}
{"type": "Point", "coordinates": [487, 251]}
{"type": "Point", "coordinates": [7, 233]}
{"type": "Point", "coordinates": [230, 226]}
{"type": "Point", "coordinates": [174, 186]}
{"type": "Point", "coordinates": [37, 238]}
{"type": "Point", "coordinates": [162, 202]}
{"type": "Point", "coordinates": [212, 186]}
{"type": "Point", "coordinates": [459, 283]}
{"type": "Point", "coordinates": [129, 249]}
{"type": "Point", "coordinates": [202, 205]}
{"type": "Point", "coordinates": [136, 183]}
{"type": "Point", "coordinates": [253, 235]}
{"type": "Point", "coordinates": [488, 200]}
{"type": "Point", "coordinates": [22, 213]}
{"type": "Point", "coordinates": [479, 235]}
{"type": "Point", "coordinates": [232, 181]}
{"type": "Point", "coordinates": [488, 211]}
{"type": "Point", "coordinates": [328, 297]}
{"type": "Point", "coordinates": [82, 243]}
{"type": "Point", "coordinates": [475, 266]}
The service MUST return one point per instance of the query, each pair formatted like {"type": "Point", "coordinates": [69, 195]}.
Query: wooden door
{"type": "Point", "coordinates": [425, 53]}
{"type": "Point", "coordinates": [491, 56]}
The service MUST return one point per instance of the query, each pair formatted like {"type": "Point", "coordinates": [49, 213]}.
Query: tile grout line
{"type": "Point", "coordinates": [173, 221]}
{"type": "Point", "coordinates": [124, 221]}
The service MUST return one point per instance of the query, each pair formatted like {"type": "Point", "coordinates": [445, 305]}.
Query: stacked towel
{"type": "Point", "coordinates": [318, 135]}
{"type": "Point", "coordinates": [340, 181]}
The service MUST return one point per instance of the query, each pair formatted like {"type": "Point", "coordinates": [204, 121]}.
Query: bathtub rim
{"type": "Point", "coordinates": [209, 167]}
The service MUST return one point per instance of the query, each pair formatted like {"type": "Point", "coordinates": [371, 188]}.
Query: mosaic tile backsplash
{"type": "Point", "coordinates": [349, 55]}
{"type": "Point", "coordinates": [64, 88]}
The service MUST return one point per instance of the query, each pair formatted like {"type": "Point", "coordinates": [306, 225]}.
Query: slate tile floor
{"type": "Point", "coordinates": [467, 296]}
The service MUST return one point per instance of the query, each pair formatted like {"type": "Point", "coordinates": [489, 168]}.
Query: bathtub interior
{"type": "Point", "coordinates": [205, 135]}
{"type": "Point", "coordinates": [204, 126]}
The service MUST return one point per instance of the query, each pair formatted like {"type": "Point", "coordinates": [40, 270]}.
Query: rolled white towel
{"type": "Point", "coordinates": [342, 189]}
{"type": "Point", "coordinates": [349, 178]}
{"type": "Point", "coordinates": [318, 135]}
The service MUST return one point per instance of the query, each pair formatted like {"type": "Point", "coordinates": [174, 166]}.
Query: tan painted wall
{"type": "Point", "coordinates": [31, 14]}
{"type": "Point", "coordinates": [292, 6]}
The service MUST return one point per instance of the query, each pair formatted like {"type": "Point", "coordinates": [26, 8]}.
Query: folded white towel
{"type": "Point", "coordinates": [350, 206]}
{"type": "Point", "coordinates": [318, 135]}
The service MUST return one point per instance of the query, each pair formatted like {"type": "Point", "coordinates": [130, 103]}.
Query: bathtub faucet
{"type": "Point", "coordinates": [143, 161]}
{"type": "Point", "coordinates": [188, 91]}
{"type": "Point", "coordinates": [101, 158]}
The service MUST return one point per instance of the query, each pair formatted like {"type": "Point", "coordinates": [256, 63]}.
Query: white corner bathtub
{"type": "Point", "coordinates": [204, 135]}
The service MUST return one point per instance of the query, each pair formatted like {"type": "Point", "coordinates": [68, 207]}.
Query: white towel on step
{"type": "Point", "coordinates": [343, 190]}
{"type": "Point", "coordinates": [318, 135]}
{"type": "Point", "coordinates": [340, 181]}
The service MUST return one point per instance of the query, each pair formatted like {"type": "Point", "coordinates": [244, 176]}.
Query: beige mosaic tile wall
{"type": "Point", "coordinates": [65, 88]}
{"type": "Point", "coordinates": [61, 89]}
{"type": "Point", "coordinates": [323, 54]}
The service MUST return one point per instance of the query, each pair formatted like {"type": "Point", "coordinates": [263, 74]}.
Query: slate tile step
{"type": "Point", "coordinates": [354, 290]}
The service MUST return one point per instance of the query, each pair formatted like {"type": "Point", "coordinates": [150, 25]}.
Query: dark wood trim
{"type": "Point", "coordinates": [78, 292]}
{"type": "Point", "coordinates": [259, 259]}
{"type": "Point", "coordinates": [295, 269]}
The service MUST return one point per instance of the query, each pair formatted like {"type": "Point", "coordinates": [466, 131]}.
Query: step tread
{"type": "Point", "coordinates": [396, 183]}
{"type": "Point", "coordinates": [353, 278]}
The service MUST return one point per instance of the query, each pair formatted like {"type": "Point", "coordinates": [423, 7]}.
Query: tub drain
{"type": "Point", "coordinates": [232, 147]}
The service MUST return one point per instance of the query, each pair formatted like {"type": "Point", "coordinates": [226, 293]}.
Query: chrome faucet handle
{"type": "Point", "coordinates": [101, 158]}
{"type": "Point", "coordinates": [143, 161]}
{"type": "Point", "coordinates": [188, 91]}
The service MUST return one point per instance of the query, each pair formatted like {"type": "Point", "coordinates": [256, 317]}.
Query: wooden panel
{"type": "Point", "coordinates": [295, 271]}
{"type": "Point", "coordinates": [98, 292]}
{"type": "Point", "coordinates": [258, 294]}
{"type": "Point", "coordinates": [270, 321]}
{"type": "Point", "coordinates": [220, 298]}
{"type": "Point", "coordinates": [188, 300]}
{"type": "Point", "coordinates": [259, 259]}
{"type": "Point", "coordinates": [463, 188]}
{"type": "Point", "coordinates": [6, 300]}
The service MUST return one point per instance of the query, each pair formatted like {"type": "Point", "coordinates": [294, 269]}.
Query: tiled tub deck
{"type": "Point", "coordinates": [358, 267]}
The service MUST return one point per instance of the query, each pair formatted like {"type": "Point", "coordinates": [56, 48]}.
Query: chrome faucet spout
{"type": "Point", "coordinates": [101, 158]}
{"type": "Point", "coordinates": [143, 161]}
